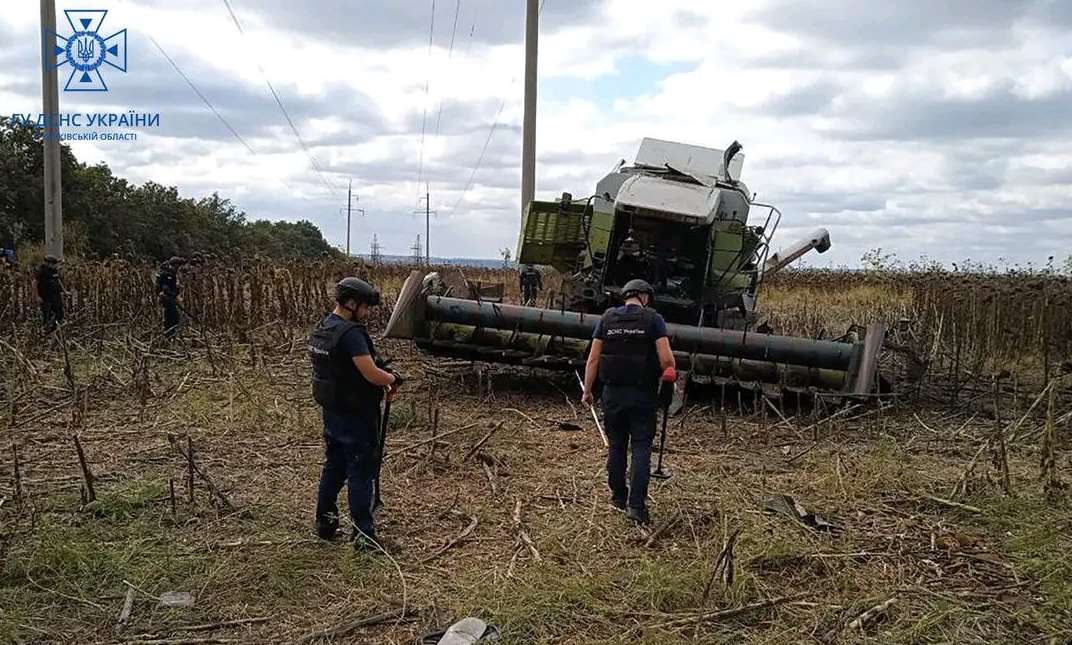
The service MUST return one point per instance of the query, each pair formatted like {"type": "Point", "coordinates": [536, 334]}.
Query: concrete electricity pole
{"type": "Point", "coordinates": [50, 98]}
{"type": "Point", "coordinates": [350, 210]}
{"type": "Point", "coordinates": [528, 144]}
{"type": "Point", "coordinates": [428, 212]}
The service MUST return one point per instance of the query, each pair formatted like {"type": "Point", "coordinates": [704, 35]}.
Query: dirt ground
{"type": "Point", "coordinates": [505, 516]}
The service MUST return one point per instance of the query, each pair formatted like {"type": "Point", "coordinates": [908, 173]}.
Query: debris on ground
{"type": "Point", "coordinates": [791, 508]}
{"type": "Point", "coordinates": [176, 599]}
{"type": "Point", "coordinates": [464, 632]}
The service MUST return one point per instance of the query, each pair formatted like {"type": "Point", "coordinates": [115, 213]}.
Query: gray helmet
{"type": "Point", "coordinates": [636, 287]}
{"type": "Point", "coordinates": [358, 290]}
{"type": "Point", "coordinates": [51, 259]}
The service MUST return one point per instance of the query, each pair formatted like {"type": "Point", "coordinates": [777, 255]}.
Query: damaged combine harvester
{"type": "Point", "coordinates": [678, 218]}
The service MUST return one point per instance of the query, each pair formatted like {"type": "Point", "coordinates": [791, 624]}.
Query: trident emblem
{"type": "Point", "coordinates": [86, 50]}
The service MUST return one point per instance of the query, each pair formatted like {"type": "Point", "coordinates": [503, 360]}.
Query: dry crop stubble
{"type": "Point", "coordinates": [239, 395]}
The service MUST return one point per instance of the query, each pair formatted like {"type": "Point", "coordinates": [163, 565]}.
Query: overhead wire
{"type": "Point", "coordinates": [427, 85]}
{"type": "Point", "coordinates": [286, 114]}
{"type": "Point", "coordinates": [203, 98]}
{"type": "Point", "coordinates": [491, 131]}
{"type": "Point", "coordinates": [480, 159]}
{"type": "Point", "coordinates": [450, 52]}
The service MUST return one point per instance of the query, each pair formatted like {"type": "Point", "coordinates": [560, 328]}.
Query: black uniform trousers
{"type": "Point", "coordinates": [351, 450]}
{"type": "Point", "coordinates": [171, 314]}
{"type": "Point", "coordinates": [629, 414]}
{"type": "Point", "coordinates": [51, 313]}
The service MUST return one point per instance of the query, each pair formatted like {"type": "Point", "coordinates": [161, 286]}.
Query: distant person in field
{"type": "Point", "coordinates": [167, 289]}
{"type": "Point", "coordinates": [630, 354]}
{"type": "Point", "coordinates": [349, 382]}
{"type": "Point", "coordinates": [630, 264]}
{"type": "Point", "coordinates": [50, 293]}
{"type": "Point", "coordinates": [531, 285]}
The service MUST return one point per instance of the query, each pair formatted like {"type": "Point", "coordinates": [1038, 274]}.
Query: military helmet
{"type": "Point", "coordinates": [636, 287]}
{"type": "Point", "coordinates": [358, 290]}
{"type": "Point", "coordinates": [51, 259]}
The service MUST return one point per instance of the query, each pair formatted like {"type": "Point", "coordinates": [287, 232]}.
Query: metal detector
{"type": "Point", "coordinates": [377, 501]}
{"type": "Point", "coordinates": [666, 393]}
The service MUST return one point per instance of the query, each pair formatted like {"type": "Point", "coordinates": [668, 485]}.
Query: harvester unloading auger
{"type": "Point", "coordinates": [679, 218]}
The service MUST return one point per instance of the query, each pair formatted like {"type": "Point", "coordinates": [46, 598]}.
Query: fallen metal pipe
{"type": "Point", "coordinates": [700, 340]}
{"type": "Point", "coordinates": [560, 339]}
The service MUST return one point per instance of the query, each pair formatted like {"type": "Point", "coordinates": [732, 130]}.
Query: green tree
{"type": "Point", "coordinates": [150, 221]}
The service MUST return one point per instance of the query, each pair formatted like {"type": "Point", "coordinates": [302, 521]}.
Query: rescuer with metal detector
{"type": "Point", "coordinates": [167, 290]}
{"type": "Point", "coordinates": [531, 282]}
{"type": "Point", "coordinates": [349, 382]}
{"type": "Point", "coordinates": [630, 354]}
{"type": "Point", "coordinates": [50, 293]}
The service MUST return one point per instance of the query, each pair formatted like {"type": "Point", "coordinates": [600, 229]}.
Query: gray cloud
{"type": "Point", "coordinates": [404, 24]}
{"type": "Point", "coordinates": [992, 186]}
{"type": "Point", "coordinates": [809, 99]}
{"type": "Point", "coordinates": [952, 23]}
{"type": "Point", "coordinates": [1001, 113]}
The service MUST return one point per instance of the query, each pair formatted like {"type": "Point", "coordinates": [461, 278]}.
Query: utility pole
{"type": "Point", "coordinates": [416, 248]}
{"type": "Point", "coordinates": [375, 254]}
{"type": "Point", "coordinates": [428, 212]}
{"type": "Point", "coordinates": [528, 136]}
{"type": "Point", "coordinates": [50, 99]}
{"type": "Point", "coordinates": [350, 210]}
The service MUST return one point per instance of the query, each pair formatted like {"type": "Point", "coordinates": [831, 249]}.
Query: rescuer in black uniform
{"type": "Point", "coordinates": [349, 384]}
{"type": "Point", "coordinates": [531, 285]}
{"type": "Point", "coordinates": [630, 352]}
{"type": "Point", "coordinates": [630, 265]}
{"type": "Point", "coordinates": [167, 289]}
{"type": "Point", "coordinates": [50, 293]}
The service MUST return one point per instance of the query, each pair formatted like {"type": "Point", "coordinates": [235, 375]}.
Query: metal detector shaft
{"type": "Point", "coordinates": [377, 500]}
{"type": "Point", "coordinates": [662, 440]}
{"type": "Point", "coordinates": [592, 409]}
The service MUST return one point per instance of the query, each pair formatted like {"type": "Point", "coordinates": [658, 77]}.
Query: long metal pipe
{"type": "Point", "coordinates": [718, 342]}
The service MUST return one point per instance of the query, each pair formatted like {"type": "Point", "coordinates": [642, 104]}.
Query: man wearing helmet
{"type": "Point", "coordinates": [531, 284]}
{"type": "Point", "coordinates": [349, 385]}
{"type": "Point", "coordinates": [630, 353]}
{"type": "Point", "coordinates": [167, 289]}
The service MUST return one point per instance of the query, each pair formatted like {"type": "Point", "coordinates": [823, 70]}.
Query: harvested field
{"type": "Point", "coordinates": [952, 521]}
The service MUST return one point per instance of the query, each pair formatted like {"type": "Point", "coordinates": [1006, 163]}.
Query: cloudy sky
{"type": "Point", "coordinates": [927, 128]}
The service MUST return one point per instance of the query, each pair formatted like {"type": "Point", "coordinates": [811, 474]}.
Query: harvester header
{"type": "Point", "coordinates": [680, 218]}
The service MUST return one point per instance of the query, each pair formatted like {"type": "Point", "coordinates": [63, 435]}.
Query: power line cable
{"type": "Point", "coordinates": [427, 85]}
{"type": "Point", "coordinates": [450, 52]}
{"type": "Point", "coordinates": [282, 108]}
{"type": "Point", "coordinates": [483, 151]}
{"type": "Point", "coordinates": [203, 98]}
{"type": "Point", "coordinates": [491, 131]}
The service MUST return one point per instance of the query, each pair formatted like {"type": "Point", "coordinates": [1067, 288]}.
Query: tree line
{"type": "Point", "coordinates": [105, 215]}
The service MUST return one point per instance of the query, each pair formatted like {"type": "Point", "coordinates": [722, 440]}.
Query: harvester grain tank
{"type": "Point", "coordinates": [681, 218]}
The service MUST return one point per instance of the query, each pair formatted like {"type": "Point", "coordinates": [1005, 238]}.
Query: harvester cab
{"type": "Point", "coordinates": [681, 218]}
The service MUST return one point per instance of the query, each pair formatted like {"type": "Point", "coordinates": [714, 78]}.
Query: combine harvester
{"type": "Point", "coordinates": [679, 217]}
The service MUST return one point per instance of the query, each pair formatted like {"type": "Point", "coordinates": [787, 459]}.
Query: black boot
{"type": "Point", "coordinates": [327, 528]}
{"type": "Point", "coordinates": [638, 515]}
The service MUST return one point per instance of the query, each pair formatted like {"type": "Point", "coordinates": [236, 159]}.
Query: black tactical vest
{"type": "Point", "coordinates": [629, 356]}
{"type": "Point", "coordinates": [337, 384]}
